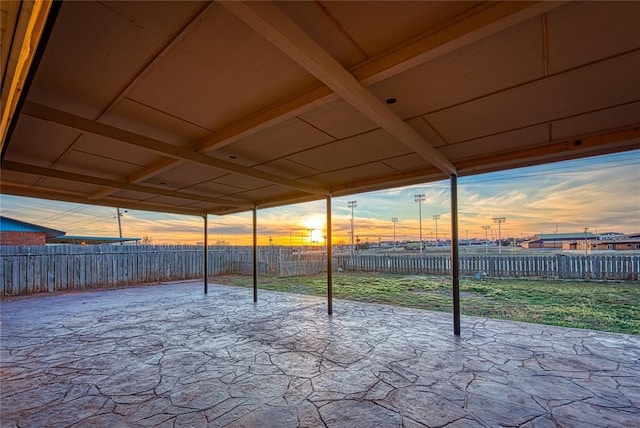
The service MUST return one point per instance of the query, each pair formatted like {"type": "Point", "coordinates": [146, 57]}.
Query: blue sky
{"type": "Point", "coordinates": [602, 193]}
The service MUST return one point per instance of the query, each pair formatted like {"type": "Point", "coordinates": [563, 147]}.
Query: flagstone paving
{"type": "Point", "coordinates": [168, 355]}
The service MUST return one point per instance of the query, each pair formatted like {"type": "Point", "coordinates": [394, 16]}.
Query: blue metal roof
{"type": "Point", "coordinates": [12, 225]}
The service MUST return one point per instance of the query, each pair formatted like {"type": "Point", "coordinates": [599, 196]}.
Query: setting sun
{"type": "Point", "coordinates": [316, 235]}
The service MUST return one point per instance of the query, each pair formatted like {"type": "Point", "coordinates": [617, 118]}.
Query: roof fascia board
{"type": "Point", "coordinates": [26, 50]}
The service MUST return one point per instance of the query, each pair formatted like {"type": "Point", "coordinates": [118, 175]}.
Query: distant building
{"type": "Point", "coordinates": [624, 244]}
{"type": "Point", "coordinates": [607, 236]}
{"type": "Point", "coordinates": [557, 240]}
{"type": "Point", "coordinates": [578, 241]}
{"type": "Point", "coordinates": [16, 232]}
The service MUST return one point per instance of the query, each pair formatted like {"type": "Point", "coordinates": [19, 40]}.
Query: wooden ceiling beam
{"type": "Point", "coordinates": [626, 139]}
{"type": "Point", "coordinates": [80, 178]}
{"type": "Point", "coordinates": [86, 125]}
{"type": "Point", "coordinates": [563, 149]}
{"type": "Point", "coordinates": [271, 23]}
{"type": "Point", "coordinates": [121, 203]}
{"type": "Point", "coordinates": [479, 23]}
{"type": "Point", "coordinates": [476, 25]}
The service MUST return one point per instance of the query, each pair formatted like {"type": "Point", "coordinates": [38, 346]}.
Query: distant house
{"type": "Point", "coordinates": [558, 240]}
{"type": "Point", "coordinates": [16, 232]}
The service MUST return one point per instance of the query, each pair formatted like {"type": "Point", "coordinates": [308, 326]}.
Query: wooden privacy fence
{"type": "Point", "coordinates": [26, 270]}
{"type": "Point", "coordinates": [606, 266]}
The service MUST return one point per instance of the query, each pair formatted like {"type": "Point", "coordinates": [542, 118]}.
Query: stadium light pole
{"type": "Point", "coordinates": [486, 238]}
{"type": "Point", "coordinates": [436, 217]}
{"type": "Point", "coordinates": [420, 199]}
{"type": "Point", "coordinates": [352, 205]}
{"type": "Point", "coordinates": [394, 220]}
{"type": "Point", "coordinates": [499, 220]}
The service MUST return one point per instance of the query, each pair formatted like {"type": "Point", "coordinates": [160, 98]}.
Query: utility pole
{"type": "Point", "coordinates": [436, 217]}
{"type": "Point", "coordinates": [486, 238]}
{"type": "Point", "coordinates": [394, 220]}
{"type": "Point", "coordinates": [352, 205]}
{"type": "Point", "coordinates": [499, 220]}
{"type": "Point", "coordinates": [119, 214]}
{"type": "Point", "coordinates": [420, 199]}
{"type": "Point", "coordinates": [585, 240]}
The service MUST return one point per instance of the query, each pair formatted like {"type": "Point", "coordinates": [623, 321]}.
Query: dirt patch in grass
{"type": "Point", "coordinates": [605, 306]}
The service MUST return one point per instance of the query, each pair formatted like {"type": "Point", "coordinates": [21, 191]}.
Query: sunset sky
{"type": "Point", "coordinates": [601, 193]}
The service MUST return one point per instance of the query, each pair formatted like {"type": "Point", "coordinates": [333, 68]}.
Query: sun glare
{"type": "Point", "coordinates": [314, 222]}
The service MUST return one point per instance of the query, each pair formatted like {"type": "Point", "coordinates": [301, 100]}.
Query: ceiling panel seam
{"type": "Point", "coordinates": [523, 84]}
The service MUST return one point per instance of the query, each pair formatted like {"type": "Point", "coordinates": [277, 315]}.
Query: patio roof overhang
{"type": "Point", "coordinates": [218, 107]}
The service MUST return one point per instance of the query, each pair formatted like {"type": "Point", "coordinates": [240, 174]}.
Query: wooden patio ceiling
{"type": "Point", "coordinates": [216, 107]}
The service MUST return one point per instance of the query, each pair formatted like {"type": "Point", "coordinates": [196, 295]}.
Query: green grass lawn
{"type": "Point", "coordinates": [606, 306]}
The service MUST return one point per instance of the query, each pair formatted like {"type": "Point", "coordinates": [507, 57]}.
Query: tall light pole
{"type": "Point", "coordinates": [352, 205]}
{"type": "Point", "coordinates": [394, 220]}
{"type": "Point", "coordinates": [499, 220]}
{"type": "Point", "coordinates": [486, 238]}
{"type": "Point", "coordinates": [420, 199]}
{"type": "Point", "coordinates": [436, 217]}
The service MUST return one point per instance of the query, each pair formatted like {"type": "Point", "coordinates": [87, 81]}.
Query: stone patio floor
{"type": "Point", "coordinates": [168, 355]}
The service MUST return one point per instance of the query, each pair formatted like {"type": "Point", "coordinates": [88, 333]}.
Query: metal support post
{"type": "Point", "coordinates": [455, 261]}
{"type": "Point", "coordinates": [206, 255]}
{"type": "Point", "coordinates": [255, 253]}
{"type": "Point", "coordinates": [329, 257]}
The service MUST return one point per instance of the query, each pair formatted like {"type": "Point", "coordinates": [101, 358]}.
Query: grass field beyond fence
{"type": "Point", "coordinates": [605, 306]}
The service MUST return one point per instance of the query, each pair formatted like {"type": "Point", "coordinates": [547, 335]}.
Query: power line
{"type": "Point", "coordinates": [81, 207]}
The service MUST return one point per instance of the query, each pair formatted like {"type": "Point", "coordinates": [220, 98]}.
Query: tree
{"type": "Point", "coordinates": [146, 240]}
